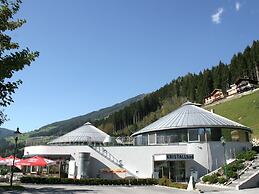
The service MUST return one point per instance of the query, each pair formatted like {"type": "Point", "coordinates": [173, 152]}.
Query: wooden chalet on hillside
{"type": "Point", "coordinates": [215, 95]}
{"type": "Point", "coordinates": [242, 85]}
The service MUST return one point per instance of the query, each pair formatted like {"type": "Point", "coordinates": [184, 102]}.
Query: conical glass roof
{"type": "Point", "coordinates": [84, 134]}
{"type": "Point", "coordinates": [190, 116]}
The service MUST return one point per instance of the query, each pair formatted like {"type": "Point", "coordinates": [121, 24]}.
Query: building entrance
{"type": "Point", "coordinates": [174, 170]}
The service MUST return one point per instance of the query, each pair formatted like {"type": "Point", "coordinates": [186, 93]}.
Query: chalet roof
{"type": "Point", "coordinates": [190, 116]}
{"type": "Point", "coordinates": [86, 133]}
{"type": "Point", "coordinates": [246, 79]}
{"type": "Point", "coordinates": [213, 92]}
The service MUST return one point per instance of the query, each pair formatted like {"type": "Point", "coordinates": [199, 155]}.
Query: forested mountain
{"type": "Point", "coordinates": [5, 132]}
{"type": "Point", "coordinates": [62, 127]}
{"type": "Point", "coordinates": [192, 86]}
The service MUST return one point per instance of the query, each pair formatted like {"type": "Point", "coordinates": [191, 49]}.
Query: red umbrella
{"type": "Point", "coordinates": [2, 161]}
{"type": "Point", "coordinates": [9, 160]}
{"type": "Point", "coordinates": [35, 161]}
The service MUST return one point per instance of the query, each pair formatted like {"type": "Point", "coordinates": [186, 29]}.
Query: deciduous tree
{"type": "Point", "coordinates": [12, 57]}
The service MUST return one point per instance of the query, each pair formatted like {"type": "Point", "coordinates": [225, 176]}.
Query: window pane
{"type": "Point", "coordinates": [193, 135]}
{"type": "Point", "coordinates": [152, 138]}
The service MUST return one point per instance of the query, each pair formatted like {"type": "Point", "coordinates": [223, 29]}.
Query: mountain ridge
{"type": "Point", "coordinates": [5, 132]}
{"type": "Point", "coordinates": [61, 127]}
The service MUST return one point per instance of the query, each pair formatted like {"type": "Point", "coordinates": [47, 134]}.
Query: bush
{"type": "Point", "coordinates": [222, 180]}
{"type": "Point", "coordinates": [247, 155]}
{"type": "Point", "coordinates": [213, 179]}
{"type": "Point", "coordinates": [231, 174]}
{"type": "Point", "coordinates": [90, 181]}
{"type": "Point", "coordinates": [164, 181]}
{"type": "Point", "coordinates": [206, 178]}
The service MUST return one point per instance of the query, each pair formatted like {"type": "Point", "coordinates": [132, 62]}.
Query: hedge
{"type": "Point", "coordinates": [90, 181]}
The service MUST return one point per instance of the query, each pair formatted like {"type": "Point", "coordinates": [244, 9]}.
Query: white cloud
{"type": "Point", "coordinates": [216, 18]}
{"type": "Point", "coordinates": [237, 6]}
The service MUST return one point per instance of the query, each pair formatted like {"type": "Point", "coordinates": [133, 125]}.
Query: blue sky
{"type": "Point", "coordinates": [95, 53]}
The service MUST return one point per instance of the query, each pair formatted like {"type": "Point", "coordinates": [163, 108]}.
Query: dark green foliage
{"type": "Point", "coordinates": [247, 155]}
{"type": "Point", "coordinates": [12, 58]}
{"type": "Point", "coordinates": [212, 179]}
{"type": "Point", "coordinates": [222, 180]}
{"type": "Point", "coordinates": [90, 181]}
{"type": "Point", "coordinates": [205, 178]}
{"type": "Point", "coordinates": [233, 167]}
{"type": "Point", "coordinates": [164, 181]}
{"type": "Point", "coordinates": [231, 174]}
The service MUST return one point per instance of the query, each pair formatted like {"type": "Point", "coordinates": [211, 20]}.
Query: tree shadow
{"type": "Point", "coordinates": [42, 190]}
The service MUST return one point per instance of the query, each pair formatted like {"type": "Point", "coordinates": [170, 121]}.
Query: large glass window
{"type": "Point", "coordinates": [193, 135]}
{"type": "Point", "coordinates": [235, 135]}
{"type": "Point", "coordinates": [172, 136]}
{"type": "Point", "coordinates": [215, 134]}
{"type": "Point", "coordinates": [152, 138]}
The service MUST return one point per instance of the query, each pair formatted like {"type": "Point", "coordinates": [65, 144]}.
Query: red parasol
{"type": "Point", "coordinates": [9, 160]}
{"type": "Point", "coordinates": [2, 161]}
{"type": "Point", "coordinates": [35, 161]}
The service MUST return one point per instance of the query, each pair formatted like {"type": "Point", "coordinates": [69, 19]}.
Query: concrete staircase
{"type": "Point", "coordinates": [249, 176]}
{"type": "Point", "coordinates": [103, 152]}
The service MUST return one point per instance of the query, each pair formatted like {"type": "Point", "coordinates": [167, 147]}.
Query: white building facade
{"type": "Point", "coordinates": [183, 143]}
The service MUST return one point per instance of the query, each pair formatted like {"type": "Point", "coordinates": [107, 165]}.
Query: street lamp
{"type": "Point", "coordinates": [16, 134]}
{"type": "Point", "coordinates": [223, 142]}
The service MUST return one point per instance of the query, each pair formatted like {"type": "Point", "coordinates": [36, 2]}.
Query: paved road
{"type": "Point", "coordinates": [76, 189]}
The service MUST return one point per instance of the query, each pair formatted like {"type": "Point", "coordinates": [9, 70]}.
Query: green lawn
{"type": "Point", "coordinates": [244, 110]}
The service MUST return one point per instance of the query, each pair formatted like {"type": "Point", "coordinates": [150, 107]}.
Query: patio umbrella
{"type": "Point", "coordinates": [35, 161]}
{"type": "Point", "coordinates": [2, 161]}
{"type": "Point", "coordinates": [9, 160]}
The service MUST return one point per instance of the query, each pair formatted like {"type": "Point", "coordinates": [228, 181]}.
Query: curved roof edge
{"type": "Point", "coordinates": [189, 116]}
{"type": "Point", "coordinates": [85, 133]}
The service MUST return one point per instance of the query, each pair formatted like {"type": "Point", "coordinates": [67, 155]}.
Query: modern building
{"type": "Point", "coordinates": [185, 142]}
{"type": "Point", "coordinates": [215, 95]}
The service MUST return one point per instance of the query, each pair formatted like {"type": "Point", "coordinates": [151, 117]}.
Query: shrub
{"type": "Point", "coordinates": [164, 181]}
{"type": "Point", "coordinates": [247, 155]}
{"type": "Point", "coordinates": [206, 178]}
{"type": "Point", "coordinates": [213, 178]}
{"type": "Point", "coordinates": [231, 174]}
{"type": "Point", "coordinates": [222, 180]}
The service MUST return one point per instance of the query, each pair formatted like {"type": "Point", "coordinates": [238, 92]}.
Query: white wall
{"type": "Point", "coordinates": [139, 159]}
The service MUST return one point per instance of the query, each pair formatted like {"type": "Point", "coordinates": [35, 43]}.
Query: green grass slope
{"type": "Point", "coordinates": [244, 110]}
